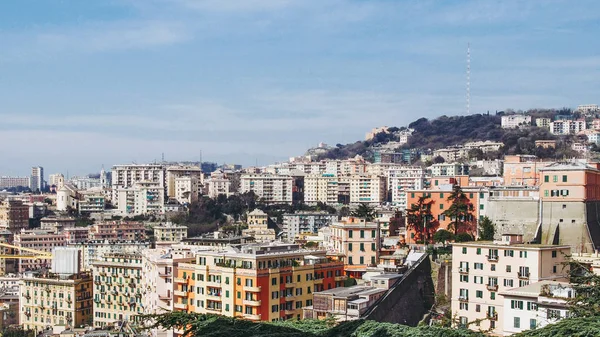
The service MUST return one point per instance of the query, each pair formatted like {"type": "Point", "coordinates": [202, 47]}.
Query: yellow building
{"type": "Point", "coordinates": [358, 241]}
{"type": "Point", "coordinates": [266, 282]}
{"type": "Point", "coordinates": [117, 288]}
{"type": "Point", "coordinates": [53, 299]}
{"type": "Point", "coordinates": [258, 227]}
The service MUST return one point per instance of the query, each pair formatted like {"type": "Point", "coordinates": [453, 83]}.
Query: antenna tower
{"type": "Point", "coordinates": [468, 78]}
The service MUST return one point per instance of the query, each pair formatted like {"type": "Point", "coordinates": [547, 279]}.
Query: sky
{"type": "Point", "coordinates": [91, 83]}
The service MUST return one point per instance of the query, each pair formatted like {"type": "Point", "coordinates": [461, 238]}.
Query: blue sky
{"type": "Point", "coordinates": [86, 83]}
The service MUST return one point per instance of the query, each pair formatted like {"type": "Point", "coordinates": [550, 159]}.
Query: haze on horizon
{"type": "Point", "coordinates": [87, 83]}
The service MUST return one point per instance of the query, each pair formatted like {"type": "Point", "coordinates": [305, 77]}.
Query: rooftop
{"type": "Point", "coordinates": [534, 289]}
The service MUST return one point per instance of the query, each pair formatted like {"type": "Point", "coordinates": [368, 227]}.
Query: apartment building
{"type": "Point", "coordinates": [118, 292]}
{"type": "Point", "coordinates": [159, 267]}
{"type": "Point", "coordinates": [321, 188]}
{"type": "Point", "coordinates": [14, 215]}
{"type": "Point", "coordinates": [9, 182]}
{"type": "Point", "coordinates": [535, 305]}
{"type": "Point", "coordinates": [401, 180]}
{"type": "Point", "coordinates": [367, 189]}
{"type": "Point", "coordinates": [57, 180]}
{"type": "Point", "coordinates": [86, 183]}
{"type": "Point", "coordinates": [514, 121]}
{"type": "Point", "coordinates": [118, 230]}
{"type": "Point", "coordinates": [124, 176]}
{"type": "Point", "coordinates": [543, 122]}
{"type": "Point", "coordinates": [268, 282]}
{"type": "Point", "coordinates": [522, 170]}
{"type": "Point", "coordinates": [144, 197]}
{"type": "Point", "coordinates": [358, 241]}
{"type": "Point", "coordinates": [181, 179]}
{"type": "Point", "coordinates": [588, 109]}
{"type": "Point", "coordinates": [37, 178]}
{"type": "Point", "coordinates": [169, 233]}
{"type": "Point", "coordinates": [218, 184]}
{"type": "Point", "coordinates": [56, 224]}
{"type": "Point", "coordinates": [40, 240]}
{"type": "Point", "coordinates": [273, 189]}
{"type": "Point", "coordinates": [484, 270]}
{"type": "Point", "coordinates": [305, 222]}
{"type": "Point", "coordinates": [449, 169]}
{"type": "Point", "coordinates": [91, 201]}
{"type": "Point", "coordinates": [94, 250]}
{"type": "Point", "coordinates": [76, 234]}
{"type": "Point", "coordinates": [55, 299]}
{"type": "Point", "coordinates": [567, 127]}
{"type": "Point", "coordinates": [258, 222]}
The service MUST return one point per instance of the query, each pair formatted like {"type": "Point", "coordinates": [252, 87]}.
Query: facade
{"type": "Point", "coordinates": [124, 176]}
{"type": "Point", "coordinates": [594, 138]}
{"type": "Point", "coordinates": [449, 169]}
{"type": "Point", "coordinates": [567, 127]}
{"type": "Point", "coordinates": [273, 189]}
{"type": "Point", "coordinates": [321, 188]}
{"type": "Point", "coordinates": [218, 184]}
{"type": "Point", "coordinates": [144, 197]}
{"type": "Point", "coordinates": [76, 234]}
{"type": "Point", "coordinates": [344, 304]}
{"type": "Point", "coordinates": [546, 144]}
{"type": "Point", "coordinates": [400, 180]}
{"type": "Point", "coordinates": [257, 282]}
{"type": "Point", "coordinates": [14, 215]}
{"type": "Point", "coordinates": [94, 250]}
{"type": "Point", "coordinates": [258, 222]}
{"type": "Point", "coordinates": [8, 182]}
{"type": "Point", "coordinates": [186, 189]}
{"type": "Point", "coordinates": [367, 189]}
{"type": "Point", "coordinates": [522, 170]}
{"type": "Point", "coordinates": [169, 233]}
{"type": "Point", "coordinates": [56, 224]}
{"type": "Point", "coordinates": [535, 305]}
{"type": "Point", "coordinates": [85, 183]}
{"type": "Point", "coordinates": [55, 299]}
{"type": "Point", "coordinates": [514, 121]}
{"type": "Point", "coordinates": [57, 180]}
{"type": "Point", "coordinates": [176, 186]}
{"type": "Point", "coordinates": [118, 230]}
{"type": "Point", "coordinates": [40, 240]}
{"type": "Point", "coordinates": [91, 201]}
{"type": "Point", "coordinates": [118, 293]}
{"type": "Point", "coordinates": [305, 222]}
{"type": "Point", "coordinates": [543, 122]}
{"type": "Point", "coordinates": [358, 241]}
{"type": "Point", "coordinates": [37, 178]}
{"type": "Point", "coordinates": [588, 109]}
{"type": "Point", "coordinates": [484, 270]}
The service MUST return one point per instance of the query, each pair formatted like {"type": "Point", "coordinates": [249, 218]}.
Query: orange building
{"type": "Point", "coordinates": [267, 282]}
{"type": "Point", "coordinates": [523, 170]}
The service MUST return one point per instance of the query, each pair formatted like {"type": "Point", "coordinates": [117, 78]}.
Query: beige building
{"type": "Point", "coordinates": [53, 299]}
{"type": "Point", "coordinates": [125, 176]}
{"type": "Point", "coordinates": [272, 188]}
{"type": "Point", "coordinates": [169, 233]}
{"type": "Point", "coordinates": [186, 189]}
{"type": "Point", "coordinates": [40, 240]}
{"type": "Point", "coordinates": [482, 270]}
{"type": "Point", "coordinates": [543, 122]}
{"type": "Point", "coordinates": [14, 215]}
{"type": "Point", "coordinates": [57, 180]}
{"type": "Point", "coordinates": [321, 188]}
{"type": "Point", "coordinates": [258, 227]}
{"type": "Point", "coordinates": [144, 197]}
{"type": "Point", "coordinates": [194, 175]}
{"type": "Point", "coordinates": [218, 184]}
{"type": "Point", "coordinates": [118, 293]}
{"type": "Point", "coordinates": [367, 189]}
{"type": "Point", "coordinates": [358, 241]}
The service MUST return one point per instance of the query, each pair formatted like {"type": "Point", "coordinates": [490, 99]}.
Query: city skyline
{"type": "Point", "coordinates": [86, 84]}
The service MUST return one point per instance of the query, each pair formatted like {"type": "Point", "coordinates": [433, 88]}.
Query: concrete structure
{"type": "Point", "coordinates": [370, 135]}
{"type": "Point", "coordinates": [543, 122]}
{"type": "Point", "coordinates": [76, 234]}
{"type": "Point", "coordinates": [144, 197]}
{"type": "Point", "coordinates": [14, 215]}
{"type": "Point", "coordinates": [514, 121]}
{"type": "Point", "coordinates": [367, 189]}
{"type": "Point", "coordinates": [186, 189]}
{"type": "Point", "coordinates": [535, 305]}
{"type": "Point", "coordinates": [118, 292]}
{"type": "Point", "coordinates": [57, 180]}
{"type": "Point", "coordinates": [588, 109]}
{"type": "Point", "coordinates": [169, 233]}
{"type": "Point", "coordinates": [483, 270]}
{"type": "Point", "coordinates": [40, 240]}
{"type": "Point", "coordinates": [8, 182]}
{"type": "Point", "coordinates": [321, 188]}
{"type": "Point", "coordinates": [256, 282]}
{"type": "Point", "coordinates": [55, 299]}
{"type": "Point", "coordinates": [273, 189]}
{"type": "Point", "coordinates": [567, 127]}
{"type": "Point", "coordinates": [91, 201]}
{"type": "Point", "coordinates": [124, 176]}
{"type": "Point", "coordinates": [358, 241]}
{"type": "Point", "coordinates": [85, 183]}
{"type": "Point", "coordinates": [546, 144]}
{"type": "Point", "coordinates": [594, 138]}
{"type": "Point", "coordinates": [305, 222]}
{"type": "Point", "coordinates": [177, 188]}
{"type": "Point", "coordinates": [37, 178]}
{"type": "Point", "coordinates": [514, 210]}
{"type": "Point", "coordinates": [56, 224]}
{"type": "Point", "coordinates": [218, 184]}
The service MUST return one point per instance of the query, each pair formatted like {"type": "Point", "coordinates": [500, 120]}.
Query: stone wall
{"type": "Point", "coordinates": [514, 216]}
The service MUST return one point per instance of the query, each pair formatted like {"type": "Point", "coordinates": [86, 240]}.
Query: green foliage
{"type": "Point", "coordinates": [459, 211]}
{"type": "Point", "coordinates": [349, 282]}
{"type": "Point", "coordinates": [487, 229]}
{"type": "Point", "coordinates": [580, 327]}
{"type": "Point", "coordinates": [311, 244]}
{"type": "Point", "coordinates": [443, 236]}
{"type": "Point", "coordinates": [420, 219]}
{"type": "Point", "coordinates": [463, 237]}
{"type": "Point", "coordinates": [17, 332]}
{"type": "Point", "coordinates": [586, 285]}
{"type": "Point", "coordinates": [364, 211]}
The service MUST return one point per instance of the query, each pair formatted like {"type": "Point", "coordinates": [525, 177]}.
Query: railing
{"type": "Point", "coordinates": [492, 258]}
{"type": "Point", "coordinates": [252, 317]}
{"type": "Point", "coordinates": [252, 303]}
{"type": "Point", "coordinates": [463, 270]}
{"type": "Point", "coordinates": [492, 287]}
{"type": "Point", "coordinates": [180, 306]}
{"type": "Point", "coordinates": [523, 275]}
{"type": "Point", "coordinates": [463, 298]}
{"type": "Point", "coordinates": [254, 289]}
{"type": "Point", "coordinates": [341, 278]}
{"type": "Point", "coordinates": [492, 316]}
{"type": "Point", "coordinates": [180, 280]}
{"type": "Point", "coordinates": [180, 293]}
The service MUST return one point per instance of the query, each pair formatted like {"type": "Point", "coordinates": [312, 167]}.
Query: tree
{"type": "Point", "coordinates": [344, 211]}
{"type": "Point", "coordinates": [459, 211]}
{"type": "Point", "coordinates": [463, 237]}
{"type": "Point", "coordinates": [364, 211]}
{"type": "Point", "coordinates": [443, 236]}
{"type": "Point", "coordinates": [487, 229]}
{"type": "Point", "coordinates": [585, 283]}
{"type": "Point", "coordinates": [475, 154]}
{"type": "Point", "coordinates": [311, 244]}
{"type": "Point", "coordinates": [438, 160]}
{"type": "Point", "coordinates": [420, 220]}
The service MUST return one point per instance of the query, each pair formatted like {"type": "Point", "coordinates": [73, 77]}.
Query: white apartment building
{"type": "Point", "coordinates": [449, 169]}
{"type": "Point", "coordinates": [94, 250]}
{"type": "Point", "coordinates": [513, 121]}
{"type": "Point", "coordinates": [8, 182]}
{"type": "Point", "coordinates": [273, 189]}
{"type": "Point", "coordinates": [85, 183]}
{"type": "Point", "coordinates": [37, 178]}
{"type": "Point", "coordinates": [359, 242]}
{"type": "Point", "coordinates": [587, 109]}
{"type": "Point", "coordinates": [57, 179]}
{"type": "Point", "coordinates": [403, 179]}
{"type": "Point", "coordinates": [125, 176]}
{"type": "Point", "coordinates": [144, 197]}
{"type": "Point", "coordinates": [594, 138]}
{"type": "Point", "coordinates": [169, 233]}
{"type": "Point", "coordinates": [306, 222]}
{"type": "Point", "coordinates": [567, 127]}
{"type": "Point", "coordinates": [218, 184]}
{"type": "Point", "coordinates": [367, 189]}
{"type": "Point", "coordinates": [483, 270]}
{"type": "Point", "coordinates": [321, 188]}
{"type": "Point", "coordinates": [536, 305]}
{"type": "Point", "coordinates": [186, 189]}
{"type": "Point", "coordinates": [91, 201]}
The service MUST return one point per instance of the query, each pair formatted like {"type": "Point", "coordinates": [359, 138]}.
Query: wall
{"type": "Point", "coordinates": [409, 300]}
{"type": "Point", "coordinates": [514, 216]}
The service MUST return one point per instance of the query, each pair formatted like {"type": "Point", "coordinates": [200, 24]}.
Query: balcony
{"type": "Point", "coordinates": [252, 303]}
{"type": "Point", "coordinates": [492, 316]}
{"type": "Point", "coordinates": [180, 280]}
{"type": "Point", "coordinates": [253, 289]}
{"type": "Point", "coordinates": [341, 278]}
{"type": "Point", "coordinates": [163, 274]}
{"type": "Point", "coordinates": [252, 317]}
{"type": "Point", "coordinates": [213, 296]}
{"type": "Point", "coordinates": [213, 284]}
{"type": "Point", "coordinates": [180, 293]}
{"type": "Point", "coordinates": [523, 276]}
{"type": "Point", "coordinates": [492, 287]}
{"type": "Point", "coordinates": [492, 258]}
{"type": "Point", "coordinates": [213, 309]}
{"type": "Point", "coordinates": [318, 281]}
{"type": "Point", "coordinates": [463, 270]}
{"type": "Point", "coordinates": [164, 297]}
{"type": "Point", "coordinates": [180, 306]}
{"type": "Point", "coordinates": [463, 298]}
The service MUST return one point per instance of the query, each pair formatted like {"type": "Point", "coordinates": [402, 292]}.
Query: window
{"type": "Point", "coordinates": [508, 283]}
{"type": "Point", "coordinates": [546, 179]}
{"type": "Point", "coordinates": [479, 294]}
{"type": "Point", "coordinates": [362, 234]}
{"type": "Point", "coordinates": [514, 304]}
{"type": "Point", "coordinates": [274, 281]}
{"type": "Point", "coordinates": [555, 179]}
{"type": "Point", "coordinates": [523, 283]}
{"type": "Point", "coordinates": [481, 206]}
{"type": "Point", "coordinates": [464, 278]}
{"type": "Point", "coordinates": [546, 193]}
{"type": "Point", "coordinates": [441, 195]}
{"type": "Point", "coordinates": [523, 254]}
{"type": "Point", "coordinates": [554, 253]}
{"type": "Point", "coordinates": [349, 259]}
{"type": "Point", "coordinates": [509, 252]}
{"type": "Point", "coordinates": [492, 295]}
{"type": "Point", "coordinates": [464, 306]}
{"type": "Point", "coordinates": [373, 247]}
{"type": "Point", "coordinates": [554, 269]}
{"type": "Point", "coordinates": [477, 265]}
{"type": "Point", "coordinates": [478, 251]}
{"type": "Point", "coordinates": [373, 234]}
{"type": "Point", "coordinates": [553, 314]}
{"type": "Point", "coordinates": [362, 247]}
{"type": "Point", "coordinates": [564, 179]}
{"type": "Point", "coordinates": [532, 324]}
{"type": "Point", "coordinates": [350, 233]}
{"type": "Point", "coordinates": [274, 308]}
{"type": "Point", "coordinates": [508, 268]}
{"type": "Point", "coordinates": [493, 267]}
{"type": "Point", "coordinates": [464, 250]}
{"type": "Point", "coordinates": [350, 247]}
{"type": "Point", "coordinates": [441, 206]}
{"type": "Point", "coordinates": [362, 260]}
{"type": "Point", "coordinates": [532, 306]}
{"type": "Point", "coordinates": [478, 279]}
{"type": "Point", "coordinates": [517, 322]}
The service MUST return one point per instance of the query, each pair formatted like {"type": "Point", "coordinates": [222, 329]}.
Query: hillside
{"type": "Point", "coordinates": [447, 131]}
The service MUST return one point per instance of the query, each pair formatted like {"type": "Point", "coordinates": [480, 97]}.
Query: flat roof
{"type": "Point", "coordinates": [492, 244]}
{"type": "Point", "coordinates": [534, 289]}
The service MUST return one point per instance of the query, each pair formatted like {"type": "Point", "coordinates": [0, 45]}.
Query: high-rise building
{"type": "Point", "coordinates": [37, 178]}
{"type": "Point", "coordinates": [126, 176]}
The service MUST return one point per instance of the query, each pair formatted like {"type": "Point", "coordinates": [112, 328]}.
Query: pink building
{"type": "Point", "coordinates": [118, 230]}
{"type": "Point", "coordinates": [41, 240]}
